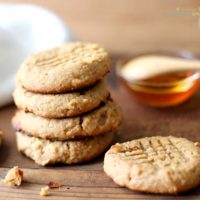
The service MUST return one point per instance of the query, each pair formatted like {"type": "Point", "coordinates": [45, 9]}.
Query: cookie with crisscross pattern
{"type": "Point", "coordinates": [72, 66]}
{"type": "Point", "coordinates": [165, 165]}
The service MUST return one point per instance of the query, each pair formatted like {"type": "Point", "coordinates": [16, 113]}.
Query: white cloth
{"type": "Point", "coordinates": [25, 29]}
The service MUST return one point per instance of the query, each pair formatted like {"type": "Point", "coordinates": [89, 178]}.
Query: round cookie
{"type": "Point", "coordinates": [104, 119]}
{"type": "Point", "coordinates": [45, 152]}
{"type": "Point", "coordinates": [165, 165]}
{"type": "Point", "coordinates": [61, 105]}
{"type": "Point", "coordinates": [66, 68]}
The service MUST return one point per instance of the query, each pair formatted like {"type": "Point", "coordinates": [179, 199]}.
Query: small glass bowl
{"type": "Point", "coordinates": [166, 90]}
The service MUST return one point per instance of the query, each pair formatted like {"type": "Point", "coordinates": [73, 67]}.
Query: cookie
{"type": "Point", "coordinates": [45, 152]}
{"type": "Point", "coordinates": [69, 67]}
{"type": "Point", "coordinates": [105, 118]}
{"type": "Point", "coordinates": [61, 105]}
{"type": "Point", "coordinates": [165, 165]}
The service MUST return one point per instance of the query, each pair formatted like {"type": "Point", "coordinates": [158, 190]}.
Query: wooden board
{"type": "Point", "coordinates": [88, 181]}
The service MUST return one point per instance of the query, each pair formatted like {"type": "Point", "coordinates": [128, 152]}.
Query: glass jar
{"type": "Point", "coordinates": [165, 90]}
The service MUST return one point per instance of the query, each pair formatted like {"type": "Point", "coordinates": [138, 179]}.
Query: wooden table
{"type": "Point", "coordinates": [88, 181]}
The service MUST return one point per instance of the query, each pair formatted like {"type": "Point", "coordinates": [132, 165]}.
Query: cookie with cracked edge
{"type": "Point", "coordinates": [61, 105]}
{"type": "Point", "coordinates": [104, 119]}
{"type": "Point", "coordinates": [164, 165]}
{"type": "Point", "coordinates": [45, 152]}
{"type": "Point", "coordinates": [72, 66]}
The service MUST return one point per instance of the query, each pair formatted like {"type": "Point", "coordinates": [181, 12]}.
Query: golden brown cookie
{"type": "Point", "coordinates": [165, 165]}
{"type": "Point", "coordinates": [66, 68]}
{"type": "Point", "coordinates": [61, 105]}
{"type": "Point", "coordinates": [45, 152]}
{"type": "Point", "coordinates": [104, 119]}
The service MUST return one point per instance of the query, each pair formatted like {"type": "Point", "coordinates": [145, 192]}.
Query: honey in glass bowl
{"type": "Point", "coordinates": [164, 90]}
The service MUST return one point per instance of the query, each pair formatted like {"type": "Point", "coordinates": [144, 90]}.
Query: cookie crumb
{"type": "Point", "coordinates": [44, 191]}
{"type": "Point", "coordinates": [53, 185]}
{"type": "Point", "coordinates": [197, 144]}
{"type": "Point", "coordinates": [14, 177]}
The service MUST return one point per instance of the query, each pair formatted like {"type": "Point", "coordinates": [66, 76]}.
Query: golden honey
{"type": "Point", "coordinates": [166, 90]}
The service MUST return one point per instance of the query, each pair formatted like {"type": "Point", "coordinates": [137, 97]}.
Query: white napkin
{"type": "Point", "coordinates": [25, 29]}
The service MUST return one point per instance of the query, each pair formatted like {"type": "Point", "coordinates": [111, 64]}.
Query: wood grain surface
{"type": "Point", "coordinates": [88, 181]}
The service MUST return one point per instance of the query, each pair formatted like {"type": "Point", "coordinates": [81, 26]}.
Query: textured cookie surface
{"type": "Point", "coordinates": [61, 105]}
{"type": "Point", "coordinates": [104, 119]}
{"type": "Point", "coordinates": [69, 67]}
{"type": "Point", "coordinates": [45, 152]}
{"type": "Point", "coordinates": [165, 165]}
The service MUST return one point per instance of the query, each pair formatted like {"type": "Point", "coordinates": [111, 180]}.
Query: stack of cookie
{"type": "Point", "coordinates": [66, 114]}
